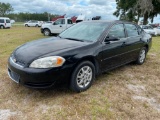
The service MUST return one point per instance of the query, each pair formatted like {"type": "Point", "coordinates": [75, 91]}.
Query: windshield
{"type": "Point", "coordinates": [85, 31]}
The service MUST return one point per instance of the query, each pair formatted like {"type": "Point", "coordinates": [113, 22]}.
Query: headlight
{"type": "Point", "coordinates": [48, 62]}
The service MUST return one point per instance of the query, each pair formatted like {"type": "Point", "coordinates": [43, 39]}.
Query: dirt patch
{"type": "Point", "coordinates": [136, 88]}
{"type": "Point", "coordinates": [6, 114]}
{"type": "Point", "coordinates": [151, 101]}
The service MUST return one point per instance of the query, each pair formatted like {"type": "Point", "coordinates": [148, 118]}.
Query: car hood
{"type": "Point", "coordinates": [35, 49]}
{"type": "Point", "coordinates": [46, 25]}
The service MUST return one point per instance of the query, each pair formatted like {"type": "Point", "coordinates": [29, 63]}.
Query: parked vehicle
{"type": "Point", "coordinates": [157, 30]}
{"type": "Point", "coordinates": [33, 23]}
{"type": "Point", "coordinates": [57, 27]}
{"type": "Point", "coordinates": [5, 22]}
{"type": "Point", "coordinates": [78, 54]}
{"type": "Point", "coordinates": [149, 29]}
{"type": "Point", "coordinates": [80, 18]}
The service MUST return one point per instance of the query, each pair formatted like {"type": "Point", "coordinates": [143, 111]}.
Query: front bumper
{"type": "Point", "coordinates": [38, 78]}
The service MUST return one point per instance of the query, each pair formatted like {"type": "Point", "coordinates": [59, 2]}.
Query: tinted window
{"type": "Point", "coordinates": [1, 20]}
{"type": "Point", "coordinates": [69, 21]}
{"type": "Point", "coordinates": [131, 30]}
{"type": "Point", "coordinates": [60, 21]}
{"type": "Point", "coordinates": [117, 31]}
{"type": "Point", "coordinates": [7, 21]}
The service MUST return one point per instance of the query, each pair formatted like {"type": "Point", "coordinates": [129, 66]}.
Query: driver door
{"type": "Point", "coordinates": [58, 26]}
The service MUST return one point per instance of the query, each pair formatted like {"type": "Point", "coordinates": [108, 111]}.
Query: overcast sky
{"type": "Point", "coordinates": [90, 8]}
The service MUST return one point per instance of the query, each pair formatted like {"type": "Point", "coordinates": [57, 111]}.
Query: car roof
{"type": "Point", "coordinates": [110, 21]}
{"type": "Point", "coordinates": [4, 18]}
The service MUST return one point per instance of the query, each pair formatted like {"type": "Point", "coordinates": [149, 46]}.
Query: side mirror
{"type": "Point", "coordinates": [108, 39]}
{"type": "Point", "coordinates": [54, 23]}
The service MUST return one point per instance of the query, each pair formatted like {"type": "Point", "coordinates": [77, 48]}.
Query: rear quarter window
{"type": "Point", "coordinates": [1, 20]}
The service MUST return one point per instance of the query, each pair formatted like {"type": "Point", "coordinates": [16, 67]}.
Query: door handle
{"type": "Point", "coordinates": [60, 26]}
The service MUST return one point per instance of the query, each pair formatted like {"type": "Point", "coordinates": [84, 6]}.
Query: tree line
{"type": "Point", "coordinates": [132, 10]}
{"type": "Point", "coordinates": [21, 17]}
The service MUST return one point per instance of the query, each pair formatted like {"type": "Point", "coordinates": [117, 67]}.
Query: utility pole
{"type": "Point", "coordinates": [48, 17]}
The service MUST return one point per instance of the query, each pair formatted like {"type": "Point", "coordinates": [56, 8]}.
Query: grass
{"type": "Point", "coordinates": [110, 97]}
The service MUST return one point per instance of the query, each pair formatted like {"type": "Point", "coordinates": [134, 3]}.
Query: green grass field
{"type": "Point", "coordinates": [131, 92]}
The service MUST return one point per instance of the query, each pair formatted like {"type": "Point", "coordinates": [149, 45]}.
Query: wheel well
{"type": "Point", "coordinates": [146, 46]}
{"type": "Point", "coordinates": [46, 29]}
{"type": "Point", "coordinates": [92, 60]}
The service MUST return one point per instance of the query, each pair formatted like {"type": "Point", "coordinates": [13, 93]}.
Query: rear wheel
{"type": "Point", "coordinates": [1, 27]}
{"type": "Point", "coordinates": [46, 32]}
{"type": "Point", "coordinates": [142, 56]}
{"type": "Point", "coordinates": [36, 25]}
{"type": "Point", "coordinates": [26, 25]}
{"type": "Point", "coordinates": [82, 77]}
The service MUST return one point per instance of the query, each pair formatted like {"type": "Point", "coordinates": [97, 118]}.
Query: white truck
{"type": "Point", "coordinates": [56, 27]}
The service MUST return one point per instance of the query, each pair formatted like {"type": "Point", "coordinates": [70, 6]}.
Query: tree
{"type": "Point", "coordinates": [132, 10]}
{"type": "Point", "coordinates": [5, 8]}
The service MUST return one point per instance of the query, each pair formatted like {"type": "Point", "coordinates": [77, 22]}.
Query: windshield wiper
{"type": "Point", "coordinates": [74, 39]}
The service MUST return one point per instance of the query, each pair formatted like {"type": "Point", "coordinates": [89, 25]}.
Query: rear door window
{"type": "Point", "coordinates": [1, 20]}
{"type": "Point", "coordinates": [131, 30]}
{"type": "Point", "coordinates": [69, 21]}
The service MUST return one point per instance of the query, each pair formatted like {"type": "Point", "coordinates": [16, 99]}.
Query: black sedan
{"type": "Point", "coordinates": [78, 54]}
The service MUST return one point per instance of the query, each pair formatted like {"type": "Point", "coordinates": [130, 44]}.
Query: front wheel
{"type": "Point", "coordinates": [1, 27]}
{"type": "Point", "coordinates": [46, 32]}
{"type": "Point", "coordinates": [82, 77]}
{"type": "Point", "coordinates": [142, 56]}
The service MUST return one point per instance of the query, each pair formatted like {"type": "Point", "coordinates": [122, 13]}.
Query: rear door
{"type": "Point", "coordinates": [69, 23]}
{"type": "Point", "coordinates": [8, 23]}
{"type": "Point", "coordinates": [134, 42]}
{"type": "Point", "coordinates": [114, 52]}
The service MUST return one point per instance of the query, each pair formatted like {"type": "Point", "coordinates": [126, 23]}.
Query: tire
{"type": "Point", "coordinates": [37, 25]}
{"type": "Point", "coordinates": [26, 25]}
{"type": "Point", "coordinates": [46, 32]}
{"type": "Point", "coordinates": [1, 27]}
{"type": "Point", "coordinates": [79, 81]}
{"type": "Point", "coordinates": [142, 56]}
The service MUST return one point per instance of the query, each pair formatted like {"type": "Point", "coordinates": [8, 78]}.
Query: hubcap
{"type": "Point", "coordinates": [142, 56]}
{"type": "Point", "coordinates": [46, 32]}
{"type": "Point", "coordinates": [1, 27]}
{"type": "Point", "coordinates": [84, 76]}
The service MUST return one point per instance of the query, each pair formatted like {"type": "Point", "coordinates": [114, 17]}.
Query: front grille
{"type": "Point", "coordinates": [14, 76]}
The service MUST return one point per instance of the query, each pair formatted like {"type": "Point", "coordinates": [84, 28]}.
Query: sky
{"type": "Point", "coordinates": [89, 8]}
